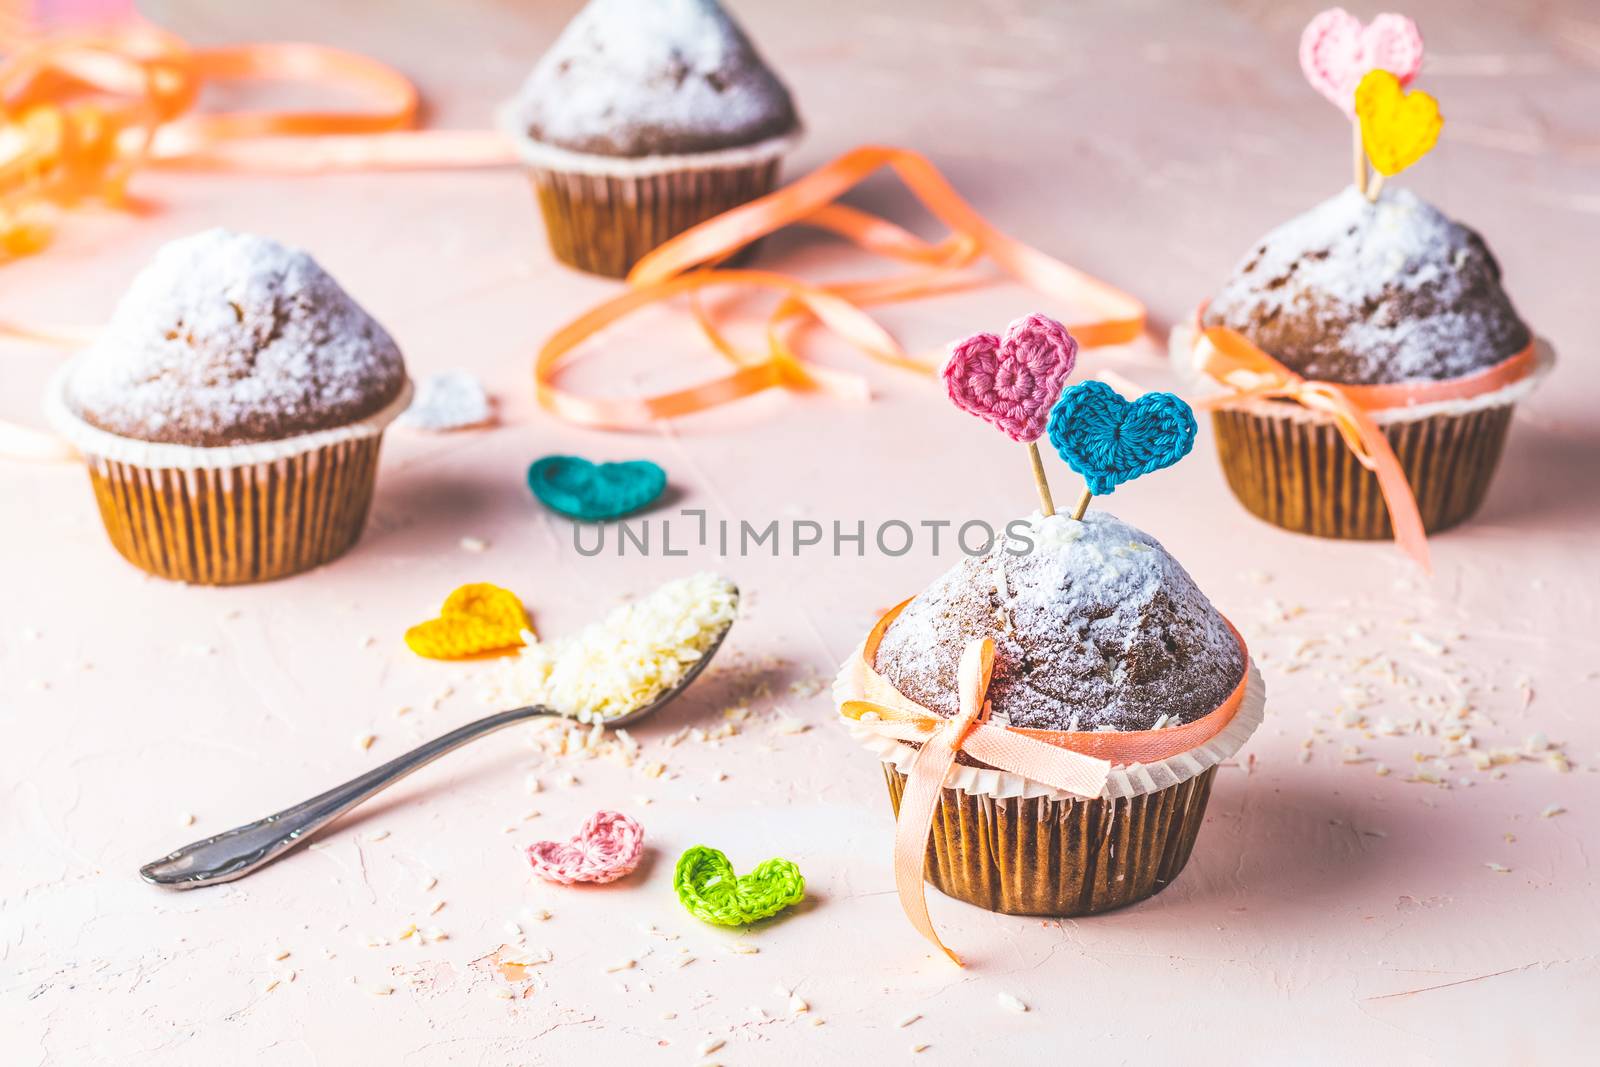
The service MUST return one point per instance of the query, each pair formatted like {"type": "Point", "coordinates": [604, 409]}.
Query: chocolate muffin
{"type": "Point", "coordinates": [1102, 644]}
{"type": "Point", "coordinates": [1368, 294]}
{"type": "Point", "coordinates": [651, 78]}
{"type": "Point", "coordinates": [1096, 628]}
{"type": "Point", "coordinates": [231, 414]}
{"type": "Point", "coordinates": [645, 118]}
{"type": "Point", "coordinates": [228, 338]}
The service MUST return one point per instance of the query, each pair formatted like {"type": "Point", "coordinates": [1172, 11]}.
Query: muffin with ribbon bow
{"type": "Point", "coordinates": [645, 118]}
{"type": "Point", "coordinates": [231, 412]}
{"type": "Point", "coordinates": [1050, 716]}
{"type": "Point", "coordinates": [1373, 361]}
{"type": "Point", "coordinates": [1369, 355]}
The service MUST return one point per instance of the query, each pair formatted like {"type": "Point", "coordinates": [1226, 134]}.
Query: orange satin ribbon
{"type": "Point", "coordinates": [1075, 762]}
{"type": "Point", "coordinates": [1234, 361]}
{"type": "Point", "coordinates": [79, 112]}
{"type": "Point", "coordinates": [686, 264]}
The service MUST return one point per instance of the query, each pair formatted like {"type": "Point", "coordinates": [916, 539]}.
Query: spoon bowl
{"type": "Point", "coordinates": [245, 849]}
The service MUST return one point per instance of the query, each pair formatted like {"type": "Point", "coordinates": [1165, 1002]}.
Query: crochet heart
{"type": "Point", "coordinates": [1397, 128]}
{"type": "Point", "coordinates": [608, 847]}
{"type": "Point", "coordinates": [1336, 52]}
{"type": "Point", "coordinates": [1110, 440]}
{"type": "Point", "coordinates": [1011, 381]}
{"type": "Point", "coordinates": [594, 492]}
{"type": "Point", "coordinates": [449, 400]}
{"type": "Point", "coordinates": [706, 885]}
{"type": "Point", "coordinates": [475, 619]}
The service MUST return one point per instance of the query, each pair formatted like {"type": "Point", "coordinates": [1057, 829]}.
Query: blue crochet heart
{"type": "Point", "coordinates": [595, 492]}
{"type": "Point", "coordinates": [1110, 440]}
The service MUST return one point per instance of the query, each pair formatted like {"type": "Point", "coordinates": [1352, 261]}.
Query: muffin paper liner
{"type": "Point", "coordinates": [1290, 464]}
{"type": "Point", "coordinates": [1011, 844]}
{"type": "Point", "coordinates": [603, 214]}
{"type": "Point", "coordinates": [233, 514]}
{"type": "Point", "coordinates": [1298, 473]}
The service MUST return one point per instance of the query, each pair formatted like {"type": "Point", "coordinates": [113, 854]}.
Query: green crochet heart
{"type": "Point", "coordinates": [706, 885]}
{"type": "Point", "coordinates": [594, 492]}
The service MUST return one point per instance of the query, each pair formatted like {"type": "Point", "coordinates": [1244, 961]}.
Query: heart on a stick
{"type": "Point", "coordinates": [1011, 381]}
{"type": "Point", "coordinates": [1337, 51]}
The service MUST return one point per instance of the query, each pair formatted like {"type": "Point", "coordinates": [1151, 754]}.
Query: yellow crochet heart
{"type": "Point", "coordinates": [475, 619]}
{"type": "Point", "coordinates": [1398, 128]}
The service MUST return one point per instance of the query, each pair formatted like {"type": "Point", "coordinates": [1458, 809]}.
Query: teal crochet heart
{"type": "Point", "coordinates": [594, 492]}
{"type": "Point", "coordinates": [1110, 440]}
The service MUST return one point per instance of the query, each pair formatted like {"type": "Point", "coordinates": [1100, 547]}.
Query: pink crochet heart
{"type": "Point", "coordinates": [1336, 51]}
{"type": "Point", "coordinates": [608, 847]}
{"type": "Point", "coordinates": [1011, 381]}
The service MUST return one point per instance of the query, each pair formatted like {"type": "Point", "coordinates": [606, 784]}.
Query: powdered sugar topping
{"type": "Point", "coordinates": [1366, 293]}
{"type": "Point", "coordinates": [653, 77]}
{"type": "Point", "coordinates": [228, 338]}
{"type": "Point", "coordinates": [1096, 627]}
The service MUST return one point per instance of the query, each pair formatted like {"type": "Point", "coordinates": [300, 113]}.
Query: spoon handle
{"type": "Point", "coordinates": [237, 852]}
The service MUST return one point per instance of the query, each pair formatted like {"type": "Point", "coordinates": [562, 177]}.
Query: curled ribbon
{"type": "Point", "coordinates": [1230, 358]}
{"type": "Point", "coordinates": [79, 112]}
{"type": "Point", "coordinates": [1073, 762]}
{"type": "Point", "coordinates": [687, 264]}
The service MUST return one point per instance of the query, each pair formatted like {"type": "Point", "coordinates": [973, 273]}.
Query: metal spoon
{"type": "Point", "coordinates": [244, 849]}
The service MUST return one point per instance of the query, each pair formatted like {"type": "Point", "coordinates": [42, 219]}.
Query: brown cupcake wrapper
{"type": "Point", "coordinates": [229, 525]}
{"type": "Point", "coordinates": [1039, 856]}
{"type": "Point", "coordinates": [1296, 471]}
{"type": "Point", "coordinates": [605, 223]}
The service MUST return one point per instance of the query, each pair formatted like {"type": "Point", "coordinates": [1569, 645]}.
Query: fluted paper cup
{"type": "Point", "coordinates": [604, 213]}
{"type": "Point", "coordinates": [1013, 845]}
{"type": "Point", "coordinates": [236, 513]}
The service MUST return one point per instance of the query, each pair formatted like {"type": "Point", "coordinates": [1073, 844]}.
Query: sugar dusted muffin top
{"type": "Point", "coordinates": [227, 338]}
{"type": "Point", "coordinates": [653, 77]}
{"type": "Point", "coordinates": [1365, 294]}
{"type": "Point", "coordinates": [1096, 628]}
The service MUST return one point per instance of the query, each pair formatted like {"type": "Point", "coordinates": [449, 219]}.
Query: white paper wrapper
{"type": "Point", "coordinates": [92, 441]}
{"type": "Point", "coordinates": [1185, 360]}
{"type": "Point", "coordinates": [853, 682]}
{"type": "Point", "coordinates": [550, 157]}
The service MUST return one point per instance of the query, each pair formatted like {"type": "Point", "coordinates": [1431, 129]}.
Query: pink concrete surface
{"type": "Point", "coordinates": [1330, 914]}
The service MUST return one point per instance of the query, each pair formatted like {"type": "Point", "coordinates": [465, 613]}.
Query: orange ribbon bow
{"type": "Point", "coordinates": [1073, 762]}
{"type": "Point", "coordinates": [686, 264]}
{"type": "Point", "coordinates": [1233, 360]}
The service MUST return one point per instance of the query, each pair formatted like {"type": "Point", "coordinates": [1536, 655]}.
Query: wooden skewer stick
{"type": "Point", "coordinates": [1360, 159]}
{"type": "Point", "coordinates": [1046, 504]}
{"type": "Point", "coordinates": [1374, 187]}
{"type": "Point", "coordinates": [1083, 505]}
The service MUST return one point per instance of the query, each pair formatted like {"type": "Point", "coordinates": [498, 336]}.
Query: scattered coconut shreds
{"type": "Point", "coordinates": [1551, 811]}
{"type": "Point", "coordinates": [710, 1046]}
{"type": "Point", "coordinates": [381, 835]}
{"type": "Point", "coordinates": [383, 991]}
{"type": "Point", "coordinates": [907, 1021]}
{"type": "Point", "coordinates": [1498, 868]}
{"type": "Point", "coordinates": [622, 965]}
{"type": "Point", "coordinates": [186, 819]}
{"type": "Point", "coordinates": [281, 954]}
{"type": "Point", "coordinates": [797, 1004]}
{"type": "Point", "coordinates": [428, 885]}
{"type": "Point", "coordinates": [474, 544]}
{"type": "Point", "coordinates": [364, 741]}
{"type": "Point", "coordinates": [923, 1047]}
{"type": "Point", "coordinates": [500, 992]}
{"type": "Point", "coordinates": [1011, 1003]}
{"type": "Point", "coordinates": [682, 961]}
{"type": "Point", "coordinates": [739, 948]}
